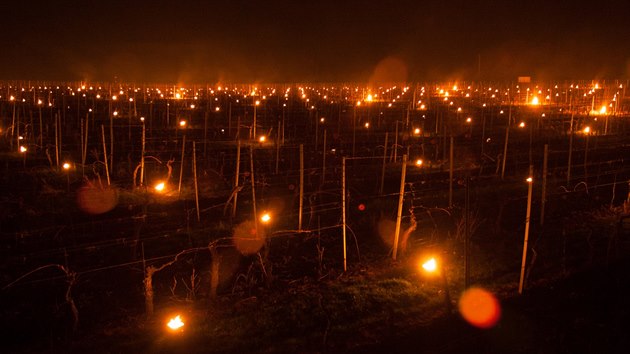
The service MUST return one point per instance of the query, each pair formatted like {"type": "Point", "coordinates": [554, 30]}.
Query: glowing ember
{"type": "Point", "coordinates": [175, 323]}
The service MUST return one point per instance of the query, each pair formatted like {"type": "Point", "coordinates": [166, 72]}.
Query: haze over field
{"type": "Point", "coordinates": [288, 41]}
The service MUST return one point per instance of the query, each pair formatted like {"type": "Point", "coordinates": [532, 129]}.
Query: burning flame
{"type": "Point", "coordinates": [175, 323]}
{"type": "Point", "coordinates": [430, 265]}
{"type": "Point", "coordinates": [535, 101]}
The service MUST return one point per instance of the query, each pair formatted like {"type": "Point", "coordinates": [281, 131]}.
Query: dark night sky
{"type": "Point", "coordinates": [284, 41]}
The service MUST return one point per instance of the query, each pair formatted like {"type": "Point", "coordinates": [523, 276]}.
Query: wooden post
{"type": "Point", "coordinates": [168, 114]}
{"type": "Point", "coordinates": [570, 151]}
{"type": "Point", "coordinates": [301, 186]}
{"type": "Point", "coordinates": [230, 119]}
{"type": "Point", "coordinates": [528, 213]}
{"type": "Point", "coordinates": [505, 149]}
{"type": "Point", "coordinates": [343, 208]}
{"type": "Point", "coordinates": [278, 148]}
{"type": "Point", "coordinates": [17, 135]}
{"type": "Point", "coordinates": [181, 167]}
{"type": "Point", "coordinates": [401, 198]}
{"type": "Point", "coordinates": [544, 185]}
{"type": "Point", "coordinates": [105, 154]}
{"type": "Point", "coordinates": [467, 233]}
{"type": "Point", "coordinates": [238, 164]}
{"type": "Point", "coordinates": [85, 143]}
{"type": "Point", "coordinates": [195, 179]}
{"type": "Point", "coordinates": [82, 130]}
{"type": "Point", "coordinates": [507, 138]}
{"type": "Point", "coordinates": [384, 160]}
{"type": "Point", "coordinates": [450, 173]}
{"type": "Point", "coordinates": [251, 175]}
{"type": "Point", "coordinates": [41, 129]}
{"type": "Point", "coordinates": [148, 290]}
{"type": "Point", "coordinates": [111, 139]}
{"type": "Point", "coordinates": [354, 128]}
{"type": "Point", "coordinates": [214, 271]}
{"type": "Point", "coordinates": [142, 154]}
{"type": "Point", "coordinates": [324, 159]}
{"type": "Point", "coordinates": [254, 124]}
{"type": "Point", "coordinates": [205, 134]}
{"type": "Point", "coordinates": [586, 158]}
{"type": "Point", "coordinates": [13, 129]}
{"type": "Point", "coordinates": [395, 147]}
{"type": "Point", "coordinates": [56, 139]}
{"type": "Point", "coordinates": [316, 132]}
{"type": "Point", "coordinates": [483, 131]}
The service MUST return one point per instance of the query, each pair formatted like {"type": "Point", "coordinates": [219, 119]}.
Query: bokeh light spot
{"type": "Point", "coordinates": [95, 199]}
{"type": "Point", "coordinates": [247, 239]}
{"type": "Point", "coordinates": [480, 308]}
